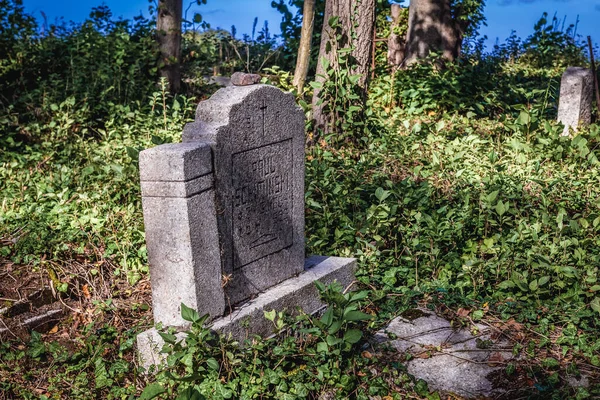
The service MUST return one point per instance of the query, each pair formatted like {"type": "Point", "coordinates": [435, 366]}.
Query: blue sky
{"type": "Point", "coordinates": [502, 15]}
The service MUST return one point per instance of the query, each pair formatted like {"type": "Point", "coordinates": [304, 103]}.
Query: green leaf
{"type": "Point", "coordinates": [212, 364]}
{"type": "Point", "coordinates": [189, 314]}
{"type": "Point", "coordinates": [335, 326]}
{"type": "Point", "coordinates": [533, 285]}
{"type": "Point", "coordinates": [359, 295]}
{"type": "Point", "coordinates": [477, 315]}
{"type": "Point", "coordinates": [190, 394]}
{"type": "Point", "coordinates": [352, 336]}
{"type": "Point", "coordinates": [151, 391]}
{"type": "Point", "coordinates": [332, 340]}
{"type": "Point", "coordinates": [501, 208]}
{"type": "Point", "coordinates": [492, 196]}
{"type": "Point", "coordinates": [550, 362]}
{"type": "Point", "coordinates": [327, 317]}
{"type": "Point", "coordinates": [322, 347]}
{"type": "Point", "coordinates": [381, 194]}
{"type": "Point", "coordinates": [524, 118]}
{"type": "Point", "coordinates": [133, 153]}
{"type": "Point", "coordinates": [168, 338]}
{"type": "Point", "coordinates": [357, 316]}
{"type": "Point", "coordinates": [595, 304]}
{"type": "Point", "coordinates": [543, 280]}
{"type": "Point", "coordinates": [270, 315]}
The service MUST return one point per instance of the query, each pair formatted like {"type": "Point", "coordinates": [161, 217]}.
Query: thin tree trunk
{"type": "Point", "coordinates": [396, 43]}
{"type": "Point", "coordinates": [303, 61]}
{"type": "Point", "coordinates": [357, 21]}
{"type": "Point", "coordinates": [431, 28]}
{"type": "Point", "coordinates": [168, 27]}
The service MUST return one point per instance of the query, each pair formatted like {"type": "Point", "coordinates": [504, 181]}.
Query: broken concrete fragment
{"type": "Point", "coordinates": [44, 322]}
{"type": "Point", "coordinates": [448, 359]}
{"type": "Point", "coordinates": [242, 79]}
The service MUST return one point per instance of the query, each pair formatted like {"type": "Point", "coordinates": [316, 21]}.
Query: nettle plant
{"type": "Point", "coordinates": [307, 354]}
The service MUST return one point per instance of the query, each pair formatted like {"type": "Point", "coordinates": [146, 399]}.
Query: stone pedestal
{"type": "Point", "coordinates": [290, 295]}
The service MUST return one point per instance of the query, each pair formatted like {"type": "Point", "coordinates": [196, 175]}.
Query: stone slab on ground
{"type": "Point", "coordinates": [45, 321]}
{"type": "Point", "coordinates": [448, 359]}
{"type": "Point", "coordinates": [290, 295]}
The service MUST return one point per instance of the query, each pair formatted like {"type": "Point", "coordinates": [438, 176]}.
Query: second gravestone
{"type": "Point", "coordinates": [224, 217]}
{"type": "Point", "coordinates": [575, 101]}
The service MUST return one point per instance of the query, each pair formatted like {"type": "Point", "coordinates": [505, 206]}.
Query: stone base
{"type": "Point", "coordinates": [290, 295]}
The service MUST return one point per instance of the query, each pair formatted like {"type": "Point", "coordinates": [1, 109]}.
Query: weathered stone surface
{"type": "Point", "coordinates": [257, 136]}
{"type": "Point", "coordinates": [449, 359]}
{"type": "Point", "coordinates": [42, 323]}
{"type": "Point", "coordinates": [177, 189]}
{"type": "Point", "coordinates": [224, 217]}
{"type": "Point", "coordinates": [37, 299]}
{"type": "Point", "coordinates": [295, 293]}
{"type": "Point", "coordinates": [575, 102]}
{"type": "Point", "coordinates": [242, 79]}
{"type": "Point", "coordinates": [184, 256]}
{"type": "Point", "coordinates": [289, 295]}
{"type": "Point", "coordinates": [181, 231]}
{"type": "Point", "coordinates": [219, 80]}
{"type": "Point", "coordinates": [175, 162]}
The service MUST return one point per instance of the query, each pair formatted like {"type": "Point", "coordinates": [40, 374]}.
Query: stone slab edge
{"type": "Point", "coordinates": [290, 295]}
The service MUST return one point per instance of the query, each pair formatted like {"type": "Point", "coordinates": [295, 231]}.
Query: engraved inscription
{"type": "Point", "coordinates": [262, 202]}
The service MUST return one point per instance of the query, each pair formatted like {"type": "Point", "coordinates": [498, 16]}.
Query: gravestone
{"type": "Point", "coordinates": [575, 102]}
{"type": "Point", "coordinates": [224, 217]}
{"type": "Point", "coordinates": [257, 136]}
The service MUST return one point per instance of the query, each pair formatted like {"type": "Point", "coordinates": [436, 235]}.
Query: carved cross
{"type": "Point", "coordinates": [264, 109]}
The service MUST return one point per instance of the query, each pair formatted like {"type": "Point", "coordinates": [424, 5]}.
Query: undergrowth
{"type": "Point", "coordinates": [453, 187]}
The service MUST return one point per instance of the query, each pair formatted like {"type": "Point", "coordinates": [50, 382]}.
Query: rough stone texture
{"type": "Point", "coordinates": [177, 189]}
{"type": "Point", "coordinates": [175, 162]}
{"type": "Point", "coordinates": [242, 79]}
{"type": "Point", "coordinates": [149, 345]}
{"type": "Point", "coordinates": [290, 295]}
{"type": "Point", "coordinates": [43, 322]}
{"type": "Point", "coordinates": [575, 103]}
{"type": "Point", "coordinates": [218, 80]}
{"type": "Point", "coordinates": [181, 231]}
{"type": "Point", "coordinates": [35, 300]}
{"type": "Point", "coordinates": [298, 292]}
{"type": "Point", "coordinates": [448, 359]}
{"type": "Point", "coordinates": [257, 136]}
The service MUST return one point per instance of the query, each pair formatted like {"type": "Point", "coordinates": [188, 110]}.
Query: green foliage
{"type": "Point", "coordinates": [450, 186]}
{"type": "Point", "coordinates": [311, 356]}
{"type": "Point", "coordinates": [219, 52]}
{"type": "Point", "coordinates": [97, 365]}
{"type": "Point", "coordinates": [71, 195]}
{"type": "Point", "coordinates": [291, 26]}
{"type": "Point", "coordinates": [98, 63]}
{"type": "Point", "coordinates": [551, 46]}
{"type": "Point", "coordinates": [340, 96]}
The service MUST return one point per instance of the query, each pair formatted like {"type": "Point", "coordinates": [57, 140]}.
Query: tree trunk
{"type": "Point", "coordinates": [303, 61]}
{"type": "Point", "coordinates": [168, 27]}
{"type": "Point", "coordinates": [432, 28]}
{"type": "Point", "coordinates": [357, 21]}
{"type": "Point", "coordinates": [396, 43]}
